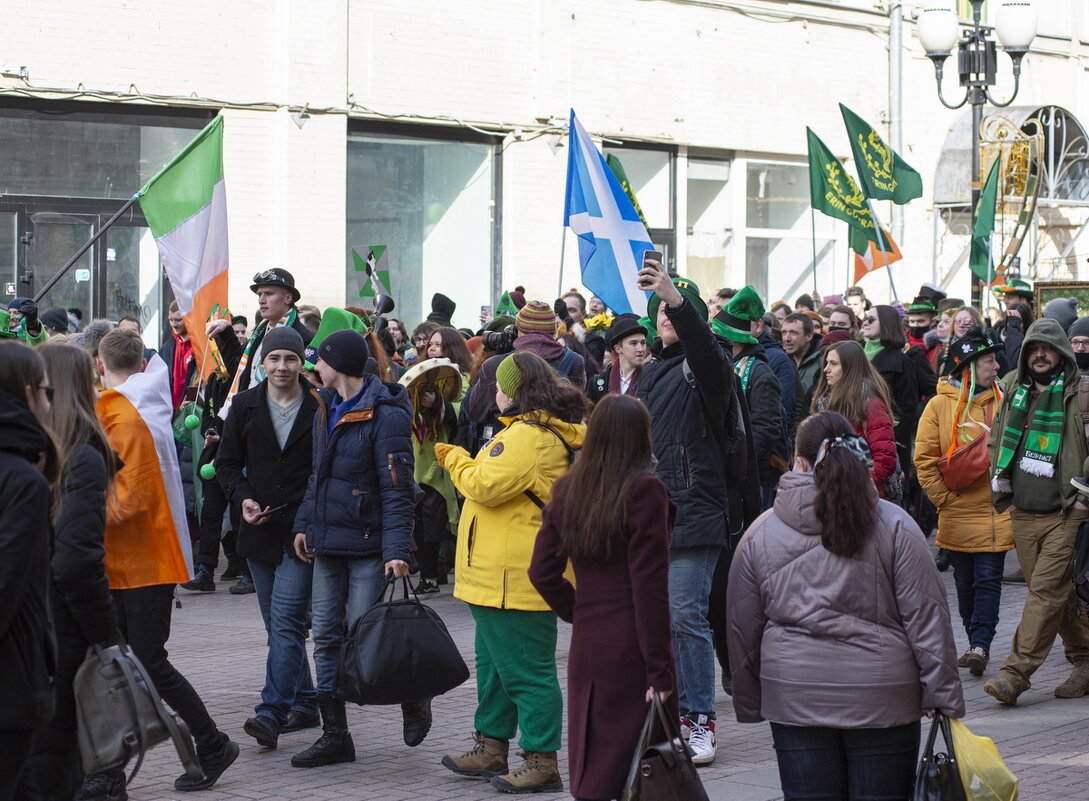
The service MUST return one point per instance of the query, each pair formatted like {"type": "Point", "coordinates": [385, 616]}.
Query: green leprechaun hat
{"type": "Point", "coordinates": [736, 317]}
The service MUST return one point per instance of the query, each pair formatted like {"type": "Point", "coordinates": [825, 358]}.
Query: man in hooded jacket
{"type": "Point", "coordinates": [1037, 444]}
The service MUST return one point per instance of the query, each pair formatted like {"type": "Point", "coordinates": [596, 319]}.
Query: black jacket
{"type": "Point", "coordinates": [272, 476]}
{"type": "Point", "coordinates": [695, 427]}
{"type": "Point", "coordinates": [899, 373]}
{"type": "Point", "coordinates": [82, 607]}
{"type": "Point", "coordinates": [762, 395]}
{"type": "Point", "coordinates": [231, 350]}
{"type": "Point", "coordinates": [27, 653]}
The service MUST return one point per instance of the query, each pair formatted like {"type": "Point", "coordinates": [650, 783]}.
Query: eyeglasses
{"type": "Point", "coordinates": [1080, 343]}
{"type": "Point", "coordinates": [48, 390]}
{"type": "Point", "coordinates": [418, 341]}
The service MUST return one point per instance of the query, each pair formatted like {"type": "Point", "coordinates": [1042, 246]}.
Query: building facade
{"type": "Point", "coordinates": [438, 129]}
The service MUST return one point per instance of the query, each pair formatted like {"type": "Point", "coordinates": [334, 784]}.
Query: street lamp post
{"type": "Point", "coordinates": [977, 62]}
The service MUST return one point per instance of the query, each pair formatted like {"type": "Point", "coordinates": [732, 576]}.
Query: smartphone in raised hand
{"type": "Point", "coordinates": [656, 255]}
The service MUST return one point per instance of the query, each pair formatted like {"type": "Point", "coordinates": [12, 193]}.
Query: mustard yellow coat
{"type": "Point", "coordinates": [499, 522]}
{"type": "Point", "coordinates": [967, 520]}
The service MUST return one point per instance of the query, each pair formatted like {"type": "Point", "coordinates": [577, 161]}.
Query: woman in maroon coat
{"type": "Point", "coordinates": [612, 517]}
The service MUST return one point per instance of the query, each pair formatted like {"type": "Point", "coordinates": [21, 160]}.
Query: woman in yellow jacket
{"type": "Point", "coordinates": [505, 486]}
{"type": "Point", "coordinates": [974, 534]}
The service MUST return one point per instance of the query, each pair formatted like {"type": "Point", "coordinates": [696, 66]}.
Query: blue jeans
{"type": "Point", "coordinates": [823, 764]}
{"type": "Point", "coordinates": [343, 590]}
{"type": "Point", "coordinates": [283, 593]}
{"type": "Point", "coordinates": [690, 573]}
{"type": "Point", "coordinates": [978, 577]}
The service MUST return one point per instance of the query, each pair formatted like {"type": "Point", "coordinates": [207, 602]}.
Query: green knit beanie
{"type": "Point", "coordinates": [508, 377]}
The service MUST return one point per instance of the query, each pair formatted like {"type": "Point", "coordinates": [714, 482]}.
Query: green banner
{"type": "Point", "coordinates": [832, 191]}
{"type": "Point", "coordinates": [979, 262]}
{"type": "Point", "coordinates": [882, 174]}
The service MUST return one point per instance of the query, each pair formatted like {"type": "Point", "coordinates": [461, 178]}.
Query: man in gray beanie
{"type": "Point", "coordinates": [355, 522]}
{"type": "Point", "coordinates": [1064, 311]}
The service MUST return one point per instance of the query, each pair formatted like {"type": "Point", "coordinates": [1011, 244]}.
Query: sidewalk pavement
{"type": "Point", "coordinates": [219, 644]}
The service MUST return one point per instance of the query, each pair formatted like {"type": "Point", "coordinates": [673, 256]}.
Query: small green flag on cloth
{"type": "Point", "coordinates": [506, 306]}
{"type": "Point", "coordinates": [979, 262]}
{"type": "Point", "coordinates": [625, 184]}
{"type": "Point", "coordinates": [332, 319]}
{"type": "Point", "coordinates": [374, 261]}
{"type": "Point", "coordinates": [832, 191]}
{"type": "Point", "coordinates": [881, 172]}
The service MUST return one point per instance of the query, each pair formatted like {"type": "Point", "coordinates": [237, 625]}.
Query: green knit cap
{"type": "Point", "coordinates": [736, 316]}
{"type": "Point", "coordinates": [508, 377]}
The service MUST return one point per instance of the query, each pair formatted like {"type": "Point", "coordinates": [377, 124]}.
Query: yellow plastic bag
{"type": "Point", "coordinates": [984, 774]}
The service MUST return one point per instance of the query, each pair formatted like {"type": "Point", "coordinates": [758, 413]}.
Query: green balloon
{"type": "Point", "coordinates": [192, 422]}
{"type": "Point", "coordinates": [208, 472]}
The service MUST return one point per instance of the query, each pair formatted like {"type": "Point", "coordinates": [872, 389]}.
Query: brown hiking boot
{"type": "Point", "coordinates": [487, 759]}
{"type": "Point", "coordinates": [1077, 685]}
{"type": "Point", "coordinates": [1004, 688]}
{"type": "Point", "coordinates": [538, 774]}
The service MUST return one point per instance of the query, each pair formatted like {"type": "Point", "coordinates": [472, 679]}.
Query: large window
{"type": "Point", "coordinates": [431, 202]}
{"type": "Point", "coordinates": [650, 173]}
{"type": "Point", "coordinates": [710, 224]}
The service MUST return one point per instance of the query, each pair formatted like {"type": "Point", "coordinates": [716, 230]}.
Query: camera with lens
{"type": "Point", "coordinates": [500, 341]}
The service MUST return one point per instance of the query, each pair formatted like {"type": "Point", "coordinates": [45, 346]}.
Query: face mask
{"type": "Point", "coordinates": [1083, 360]}
{"type": "Point", "coordinates": [918, 331]}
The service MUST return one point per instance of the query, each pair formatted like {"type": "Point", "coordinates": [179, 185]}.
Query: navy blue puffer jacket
{"type": "Point", "coordinates": [359, 500]}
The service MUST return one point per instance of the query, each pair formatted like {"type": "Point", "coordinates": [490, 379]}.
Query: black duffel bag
{"type": "Point", "coordinates": [399, 651]}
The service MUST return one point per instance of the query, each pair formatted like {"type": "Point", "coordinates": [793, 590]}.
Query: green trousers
{"type": "Point", "coordinates": [516, 683]}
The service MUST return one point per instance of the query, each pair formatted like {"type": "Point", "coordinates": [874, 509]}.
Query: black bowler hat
{"type": "Point", "coordinates": [975, 343]}
{"type": "Point", "coordinates": [622, 327]}
{"type": "Point", "coordinates": [276, 277]}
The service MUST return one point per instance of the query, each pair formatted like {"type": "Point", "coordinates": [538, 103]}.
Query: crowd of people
{"type": "Point", "coordinates": [664, 483]}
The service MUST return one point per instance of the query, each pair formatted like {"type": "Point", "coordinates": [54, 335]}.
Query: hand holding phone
{"type": "Point", "coordinates": [651, 270]}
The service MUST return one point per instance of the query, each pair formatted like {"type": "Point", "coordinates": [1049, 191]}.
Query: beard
{"type": "Point", "coordinates": [1045, 375]}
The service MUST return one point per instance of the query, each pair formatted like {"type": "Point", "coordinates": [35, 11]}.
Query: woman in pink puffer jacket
{"type": "Point", "coordinates": [839, 630]}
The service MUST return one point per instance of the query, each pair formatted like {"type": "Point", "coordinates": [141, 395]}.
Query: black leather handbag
{"type": "Point", "coordinates": [397, 652]}
{"type": "Point", "coordinates": [938, 778]}
{"type": "Point", "coordinates": [662, 768]}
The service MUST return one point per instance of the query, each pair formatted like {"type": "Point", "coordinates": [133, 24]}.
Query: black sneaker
{"type": "Point", "coordinates": [234, 570]}
{"type": "Point", "coordinates": [265, 730]}
{"type": "Point", "coordinates": [427, 587]}
{"type": "Point", "coordinates": [212, 763]}
{"type": "Point", "coordinates": [106, 786]}
{"type": "Point", "coordinates": [297, 721]}
{"type": "Point", "coordinates": [416, 721]}
{"type": "Point", "coordinates": [1081, 484]}
{"type": "Point", "coordinates": [243, 587]}
{"type": "Point", "coordinates": [203, 581]}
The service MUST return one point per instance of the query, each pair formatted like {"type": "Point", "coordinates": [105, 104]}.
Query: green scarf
{"type": "Point", "coordinates": [1042, 434]}
{"type": "Point", "coordinates": [743, 369]}
{"type": "Point", "coordinates": [872, 348]}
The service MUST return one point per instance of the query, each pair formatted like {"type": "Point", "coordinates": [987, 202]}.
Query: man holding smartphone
{"type": "Point", "coordinates": [263, 466]}
{"type": "Point", "coordinates": [689, 390]}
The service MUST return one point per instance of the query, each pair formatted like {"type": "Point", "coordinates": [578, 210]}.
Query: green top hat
{"type": "Point", "coordinates": [688, 289]}
{"type": "Point", "coordinates": [734, 321]}
{"type": "Point", "coordinates": [1015, 287]}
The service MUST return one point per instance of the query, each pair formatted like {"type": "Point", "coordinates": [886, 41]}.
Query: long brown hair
{"type": "Point", "coordinates": [541, 390]}
{"type": "Point", "coordinates": [616, 451]}
{"type": "Point", "coordinates": [72, 414]}
{"type": "Point", "coordinates": [846, 501]}
{"type": "Point", "coordinates": [858, 383]}
{"type": "Point", "coordinates": [22, 367]}
{"type": "Point", "coordinates": [453, 347]}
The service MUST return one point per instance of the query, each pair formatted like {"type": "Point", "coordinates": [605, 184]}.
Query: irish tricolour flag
{"type": "Point", "coordinates": [185, 205]}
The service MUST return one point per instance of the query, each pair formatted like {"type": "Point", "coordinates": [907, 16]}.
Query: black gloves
{"type": "Point", "coordinates": [560, 307]}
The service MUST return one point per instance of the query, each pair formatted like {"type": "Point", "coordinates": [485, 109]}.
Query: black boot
{"type": "Point", "coordinates": [109, 785]}
{"type": "Point", "coordinates": [416, 721]}
{"type": "Point", "coordinates": [335, 744]}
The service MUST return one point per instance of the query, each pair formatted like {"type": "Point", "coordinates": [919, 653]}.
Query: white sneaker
{"type": "Point", "coordinates": [702, 740]}
{"type": "Point", "coordinates": [686, 728]}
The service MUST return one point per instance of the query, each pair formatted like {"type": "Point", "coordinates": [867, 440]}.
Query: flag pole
{"type": "Point", "coordinates": [882, 246]}
{"type": "Point", "coordinates": [87, 246]}
{"type": "Point", "coordinates": [563, 249]}
{"type": "Point", "coordinates": [813, 239]}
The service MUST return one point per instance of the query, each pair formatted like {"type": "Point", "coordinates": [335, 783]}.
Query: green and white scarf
{"type": "Point", "coordinates": [1042, 432]}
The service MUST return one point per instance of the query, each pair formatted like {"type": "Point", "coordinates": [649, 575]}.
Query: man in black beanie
{"type": "Point", "coordinates": [1079, 341]}
{"type": "Point", "coordinates": [355, 522]}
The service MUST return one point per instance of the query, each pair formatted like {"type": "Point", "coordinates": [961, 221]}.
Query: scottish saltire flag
{"type": "Point", "coordinates": [185, 205]}
{"type": "Point", "coordinates": [612, 238]}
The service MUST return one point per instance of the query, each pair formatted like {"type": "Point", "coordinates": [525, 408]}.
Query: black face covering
{"type": "Point", "coordinates": [1046, 376]}
{"type": "Point", "coordinates": [918, 331]}
{"type": "Point", "coordinates": [1082, 359]}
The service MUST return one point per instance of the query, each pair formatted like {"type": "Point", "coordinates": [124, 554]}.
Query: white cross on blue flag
{"type": "Point", "coordinates": [612, 238]}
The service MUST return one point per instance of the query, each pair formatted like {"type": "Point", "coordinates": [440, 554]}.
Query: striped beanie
{"type": "Point", "coordinates": [536, 317]}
